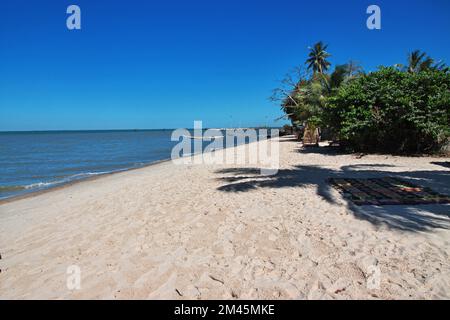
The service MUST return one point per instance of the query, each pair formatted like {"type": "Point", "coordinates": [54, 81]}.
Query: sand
{"type": "Point", "coordinates": [226, 232]}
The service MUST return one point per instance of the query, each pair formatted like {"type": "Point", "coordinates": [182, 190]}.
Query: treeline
{"type": "Point", "coordinates": [396, 109]}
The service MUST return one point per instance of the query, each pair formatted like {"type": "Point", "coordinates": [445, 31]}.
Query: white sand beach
{"type": "Point", "coordinates": [226, 232]}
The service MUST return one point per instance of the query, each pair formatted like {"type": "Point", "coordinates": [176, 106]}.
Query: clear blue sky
{"type": "Point", "coordinates": [164, 64]}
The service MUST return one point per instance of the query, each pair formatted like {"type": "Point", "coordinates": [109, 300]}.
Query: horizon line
{"type": "Point", "coordinates": [154, 129]}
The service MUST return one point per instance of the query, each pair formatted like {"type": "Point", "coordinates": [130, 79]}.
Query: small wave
{"type": "Point", "coordinates": [86, 174]}
{"type": "Point", "coordinates": [73, 177]}
{"type": "Point", "coordinates": [41, 185]}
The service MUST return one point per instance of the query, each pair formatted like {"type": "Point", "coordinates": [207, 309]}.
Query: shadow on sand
{"type": "Point", "coordinates": [402, 217]}
{"type": "Point", "coordinates": [445, 164]}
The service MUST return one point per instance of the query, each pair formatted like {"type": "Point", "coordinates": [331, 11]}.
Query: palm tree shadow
{"type": "Point", "coordinates": [445, 164]}
{"type": "Point", "coordinates": [401, 217]}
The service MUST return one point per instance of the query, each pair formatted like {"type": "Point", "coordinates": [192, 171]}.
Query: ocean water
{"type": "Point", "coordinates": [31, 161]}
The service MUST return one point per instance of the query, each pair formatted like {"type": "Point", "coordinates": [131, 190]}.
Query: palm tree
{"type": "Point", "coordinates": [419, 61]}
{"type": "Point", "coordinates": [441, 66]}
{"type": "Point", "coordinates": [317, 58]}
{"type": "Point", "coordinates": [354, 69]}
{"type": "Point", "coordinates": [341, 74]}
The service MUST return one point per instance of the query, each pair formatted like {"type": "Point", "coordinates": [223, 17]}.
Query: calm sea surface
{"type": "Point", "coordinates": [31, 161]}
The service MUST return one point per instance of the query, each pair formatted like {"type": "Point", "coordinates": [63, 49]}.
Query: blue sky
{"type": "Point", "coordinates": [164, 64]}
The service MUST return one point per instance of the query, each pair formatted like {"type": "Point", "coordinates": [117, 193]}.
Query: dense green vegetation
{"type": "Point", "coordinates": [393, 111]}
{"type": "Point", "coordinates": [397, 109]}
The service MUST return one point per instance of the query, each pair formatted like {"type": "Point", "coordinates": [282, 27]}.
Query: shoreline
{"type": "Point", "coordinates": [73, 182]}
{"type": "Point", "coordinates": [97, 176]}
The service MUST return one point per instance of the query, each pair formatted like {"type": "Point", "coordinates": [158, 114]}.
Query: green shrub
{"type": "Point", "coordinates": [392, 111]}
